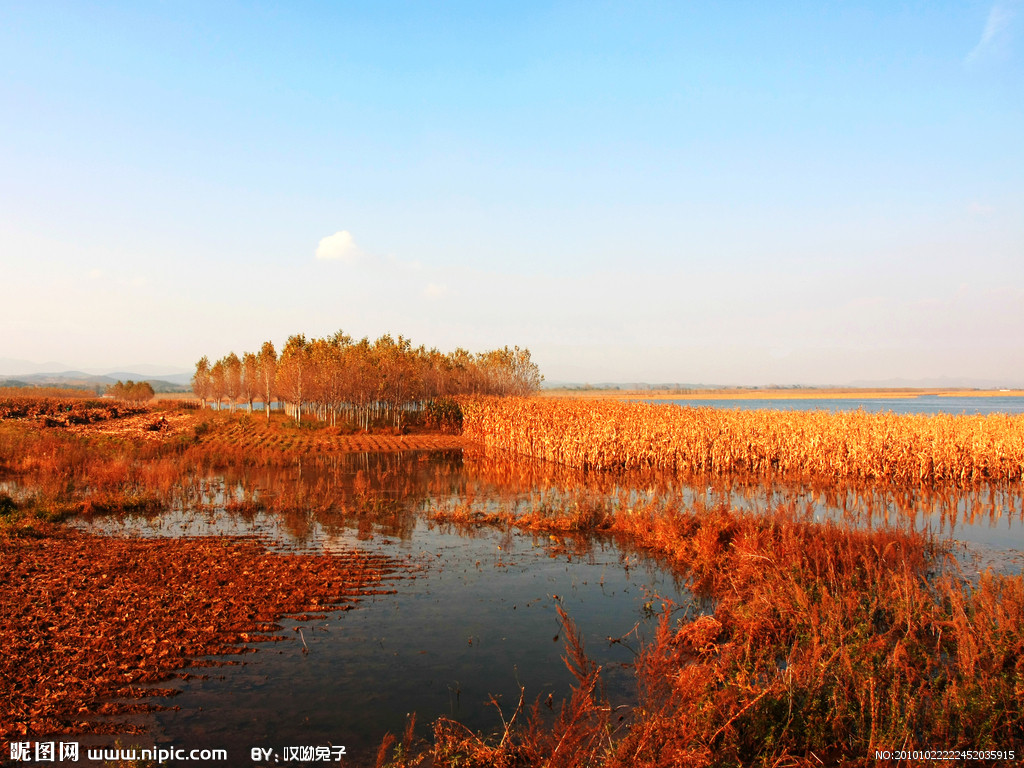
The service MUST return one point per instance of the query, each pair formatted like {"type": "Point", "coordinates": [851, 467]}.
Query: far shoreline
{"type": "Point", "coordinates": [787, 393]}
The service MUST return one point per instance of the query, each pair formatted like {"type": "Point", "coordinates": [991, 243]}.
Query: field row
{"type": "Point", "coordinates": [902, 449]}
{"type": "Point", "coordinates": [65, 411]}
{"type": "Point", "coordinates": [235, 435]}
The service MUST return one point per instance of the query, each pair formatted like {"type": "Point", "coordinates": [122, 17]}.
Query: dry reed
{"type": "Point", "coordinates": [825, 642]}
{"type": "Point", "coordinates": [899, 449]}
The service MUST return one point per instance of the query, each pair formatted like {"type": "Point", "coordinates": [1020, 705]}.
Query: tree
{"type": "Point", "coordinates": [293, 372]}
{"type": "Point", "coordinates": [250, 378]}
{"type": "Point", "coordinates": [217, 382]}
{"type": "Point", "coordinates": [201, 380]}
{"type": "Point", "coordinates": [367, 383]}
{"type": "Point", "coordinates": [233, 378]}
{"type": "Point", "coordinates": [267, 365]}
{"type": "Point", "coordinates": [142, 390]}
{"type": "Point", "coordinates": [134, 391]}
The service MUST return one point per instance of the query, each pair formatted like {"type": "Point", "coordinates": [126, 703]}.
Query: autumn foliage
{"type": "Point", "coordinates": [336, 379]}
{"type": "Point", "coordinates": [135, 391]}
{"type": "Point", "coordinates": [52, 412]}
{"type": "Point", "coordinates": [806, 643]}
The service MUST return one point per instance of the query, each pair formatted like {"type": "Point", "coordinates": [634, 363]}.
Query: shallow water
{"type": "Point", "coordinates": [479, 616]}
{"type": "Point", "coordinates": [476, 619]}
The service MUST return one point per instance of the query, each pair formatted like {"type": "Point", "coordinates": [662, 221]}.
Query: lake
{"type": "Point", "coordinates": [904, 405]}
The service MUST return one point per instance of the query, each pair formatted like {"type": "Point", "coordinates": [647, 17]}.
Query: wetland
{"type": "Point", "coordinates": [332, 593]}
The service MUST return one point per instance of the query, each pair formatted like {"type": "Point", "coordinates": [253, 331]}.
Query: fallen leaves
{"type": "Point", "coordinates": [85, 619]}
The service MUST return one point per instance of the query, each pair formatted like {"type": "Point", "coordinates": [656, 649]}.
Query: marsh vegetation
{"type": "Point", "coordinates": [800, 602]}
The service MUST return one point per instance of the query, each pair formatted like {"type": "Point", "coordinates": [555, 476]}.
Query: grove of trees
{"type": "Point", "coordinates": [134, 391]}
{"type": "Point", "coordinates": [338, 379]}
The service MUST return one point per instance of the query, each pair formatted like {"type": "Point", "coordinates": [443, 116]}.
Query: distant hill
{"type": "Point", "coordinates": [80, 379]}
{"type": "Point", "coordinates": [12, 367]}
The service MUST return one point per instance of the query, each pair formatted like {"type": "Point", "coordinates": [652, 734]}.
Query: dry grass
{"type": "Point", "coordinates": [821, 642]}
{"type": "Point", "coordinates": [900, 450]}
{"type": "Point", "coordinates": [824, 643]}
{"type": "Point", "coordinates": [36, 393]}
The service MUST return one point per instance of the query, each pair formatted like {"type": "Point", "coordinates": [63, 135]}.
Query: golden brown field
{"type": "Point", "coordinates": [825, 643]}
{"type": "Point", "coordinates": [605, 435]}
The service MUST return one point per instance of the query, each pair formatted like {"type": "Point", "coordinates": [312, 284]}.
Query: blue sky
{"type": "Point", "coordinates": [752, 193]}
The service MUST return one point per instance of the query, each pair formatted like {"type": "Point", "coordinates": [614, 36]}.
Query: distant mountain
{"type": "Point", "coordinates": [10, 366]}
{"type": "Point", "coordinates": [178, 379]}
{"type": "Point", "coordinates": [173, 383]}
{"type": "Point", "coordinates": [163, 378]}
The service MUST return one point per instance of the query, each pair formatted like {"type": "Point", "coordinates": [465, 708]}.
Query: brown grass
{"type": "Point", "coordinates": [822, 643]}
{"type": "Point", "coordinates": [808, 643]}
{"type": "Point", "coordinates": [834, 447]}
{"type": "Point", "coordinates": [818, 642]}
{"type": "Point", "coordinates": [46, 392]}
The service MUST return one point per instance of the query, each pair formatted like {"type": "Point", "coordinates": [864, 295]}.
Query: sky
{"type": "Point", "coordinates": [733, 193]}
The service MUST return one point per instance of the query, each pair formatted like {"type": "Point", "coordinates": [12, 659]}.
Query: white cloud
{"type": "Point", "coordinates": [997, 29]}
{"type": "Point", "coordinates": [339, 246]}
{"type": "Point", "coordinates": [435, 290]}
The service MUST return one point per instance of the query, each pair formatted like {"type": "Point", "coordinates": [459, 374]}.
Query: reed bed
{"type": "Point", "coordinates": [899, 449]}
{"type": "Point", "coordinates": [821, 644]}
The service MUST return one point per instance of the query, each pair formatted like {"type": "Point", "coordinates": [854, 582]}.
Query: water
{"type": "Point", "coordinates": [477, 620]}
{"type": "Point", "coordinates": [928, 404]}
{"type": "Point", "coordinates": [479, 617]}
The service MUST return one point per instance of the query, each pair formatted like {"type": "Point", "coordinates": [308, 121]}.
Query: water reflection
{"type": "Point", "coordinates": [985, 517]}
{"type": "Point", "coordinates": [362, 494]}
{"type": "Point", "coordinates": [479, 618]}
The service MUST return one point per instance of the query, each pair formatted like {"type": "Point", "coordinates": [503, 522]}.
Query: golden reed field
{"type": "Point", "coordinates": [901, 449]}
{"type": "Point", "coordinates": [826, 644]}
